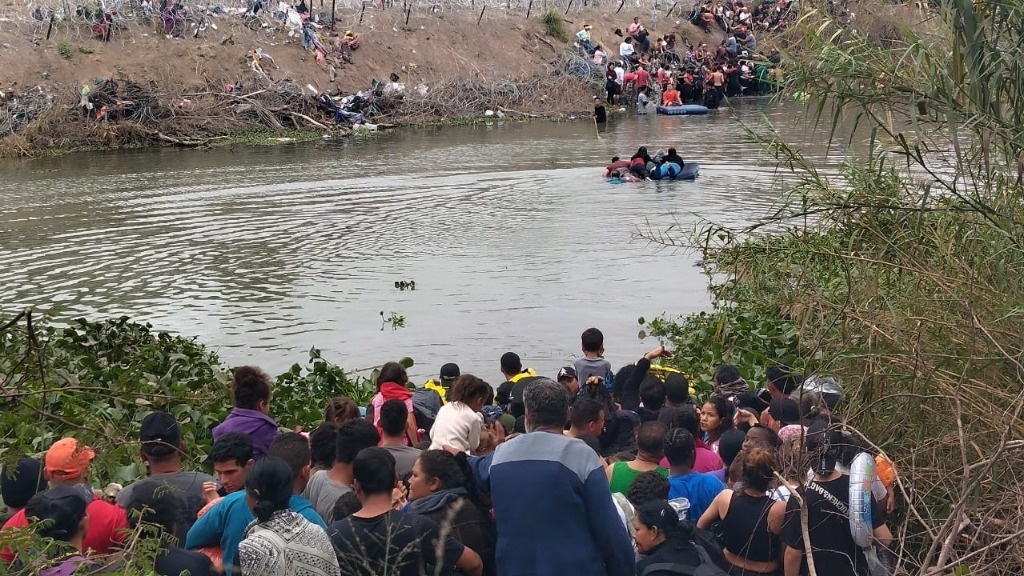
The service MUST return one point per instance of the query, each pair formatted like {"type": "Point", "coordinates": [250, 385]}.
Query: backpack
{"type": "Point", "coordinates": [707, 566]}
{"type": "Point", "coordinates": [425, 405]}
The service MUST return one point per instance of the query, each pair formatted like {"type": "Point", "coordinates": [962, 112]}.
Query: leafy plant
{"type": "Point", "coordinates": [554, 25]}
{"type": "Point", "coordinates": [64, 49]}
{"type": "Point", "coordinates": [96, 381]}
{"type": "Point", "coordinates": [394, 319]}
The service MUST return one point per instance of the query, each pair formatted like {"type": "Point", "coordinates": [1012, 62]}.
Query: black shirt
{"type": "Point", "coordinates": [599, 113]}
{"type": "Point", "coordinates": [172, 561]}
{"type": "Point", "coordinates": [831, 542]}
{"type": "Point", "coordinates": [674, 550]}
{"type": "Point", "coordinates": [674, 158]}
{"type": "Point", "coordinates": [394, 543]}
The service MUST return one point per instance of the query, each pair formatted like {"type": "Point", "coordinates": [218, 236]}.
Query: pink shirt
{"type": "Point", "coordinates": [705, 461]}
{"type": "Point", "coordinates": [378, 401]}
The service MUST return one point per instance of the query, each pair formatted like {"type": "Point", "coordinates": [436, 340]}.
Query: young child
{"type": "Point", "coordinates": [459, 422]}
{"type": "Point", "coordinates": [592, 363]}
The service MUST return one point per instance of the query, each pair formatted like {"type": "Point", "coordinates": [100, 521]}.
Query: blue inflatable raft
{"type": "Point", "coordinates": [690, 171]}
{"type": "Point", "coordinates": [684, 110]}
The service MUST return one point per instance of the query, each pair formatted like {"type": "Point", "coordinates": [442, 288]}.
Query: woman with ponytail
{"type": "Point", "coordinates": [750, 521]}
{"type": "Point", "coordinates": [442, 488]}
{"type": "Point", "coordinates": [280, 542]}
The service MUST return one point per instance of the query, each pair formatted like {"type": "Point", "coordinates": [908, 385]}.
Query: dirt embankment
{"type": "Point", "coordinates": [453, 62]}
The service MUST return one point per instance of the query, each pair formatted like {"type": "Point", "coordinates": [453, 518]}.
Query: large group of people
{"type": "Point", "coordinates": [670, 73]}
{"type": "Point", "coordinates": [594, 471]}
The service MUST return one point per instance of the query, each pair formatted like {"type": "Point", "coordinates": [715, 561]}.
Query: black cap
{"type": "Point", "coordinates": [450, 371]}
{"type": "Point", "coordinates": [61, 508]}
{"type": "Point", "coordinates": [160, 434]}
{"type": "Point", "coordinates": [21, 480]}
{"type": "Point", "coordinates": [566, 372]}
{"type": "Point", "coordinates": [784, 410]}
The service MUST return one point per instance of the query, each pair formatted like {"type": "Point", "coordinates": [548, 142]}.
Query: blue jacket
{"type": "Point", "coordinates": [225, 522]}
{"type": "Point", "coordinates": [553, 510]}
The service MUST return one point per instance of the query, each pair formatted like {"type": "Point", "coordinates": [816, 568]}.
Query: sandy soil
{"type": "Point", "coordinates": [432, 48]}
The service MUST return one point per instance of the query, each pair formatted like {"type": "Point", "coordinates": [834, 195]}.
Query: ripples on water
{"type": "Point", "coordinates": [512, 237]}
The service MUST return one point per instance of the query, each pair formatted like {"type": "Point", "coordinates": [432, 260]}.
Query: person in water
{"type": "Point", "coordinates": [615, 165]}
{"type": "Point", "coordinates": [600, 114]}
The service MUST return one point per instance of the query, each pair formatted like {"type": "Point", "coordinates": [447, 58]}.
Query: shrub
{"type": "Point", "coordinates": [554, 26]}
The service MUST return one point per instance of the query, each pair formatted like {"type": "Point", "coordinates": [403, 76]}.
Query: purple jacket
{"type": "Point", "coordinates": [253, 423]}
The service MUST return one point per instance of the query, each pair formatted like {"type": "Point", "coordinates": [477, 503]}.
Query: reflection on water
{"type": "Point", "coordinates": [512, 237]}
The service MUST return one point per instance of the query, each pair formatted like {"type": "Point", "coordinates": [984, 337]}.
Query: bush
{"type": "Point", "coordinates": [554, 26]}
{"type": "Point", "coordinates": [300, 394]}
{"type": "Point", "coordinates": [97, 380]}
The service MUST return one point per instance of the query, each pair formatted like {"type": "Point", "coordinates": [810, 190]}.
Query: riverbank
{"type": "Point", "coordinates": [144, 88]}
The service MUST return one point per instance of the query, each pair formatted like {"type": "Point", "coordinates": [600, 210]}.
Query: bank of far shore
{"type": "Point", "coordinates": [146, 89]}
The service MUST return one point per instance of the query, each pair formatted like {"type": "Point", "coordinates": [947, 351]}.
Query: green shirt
{"type": "Point", "coordinates": [623, 476]}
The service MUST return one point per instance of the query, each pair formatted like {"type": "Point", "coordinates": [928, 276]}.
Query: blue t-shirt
{"type": "Point", "coordinates": [700, 489]}
{"type": "Point", "coordinates": [225, 522]}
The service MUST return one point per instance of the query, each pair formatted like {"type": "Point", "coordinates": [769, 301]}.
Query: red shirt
{"type": "Point", "coordinates": [642, 77]}
{"type": "Point", "coordinates": [107, 524]}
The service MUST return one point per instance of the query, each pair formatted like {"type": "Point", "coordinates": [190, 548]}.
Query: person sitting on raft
{"type": "Point", "coordinates": [670, 97]}
{"type": "Point", "coordinates": [674, 158]}
{"type": "Point", "coordinates": [660, 168]}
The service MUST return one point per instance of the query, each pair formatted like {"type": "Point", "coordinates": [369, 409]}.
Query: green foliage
{"type": "Point", "coordinates": [64, 49]}
{"type": "Point", "coordinates": [301, 394]}
{"type": "Point", "coordinates": [554, 25]}
{"type": "Point", "coordinates": [752, 340]}
{"type": "Point", "coordinates": [393, 319]}
{"type": "Point", "coordinates": [96, 381]}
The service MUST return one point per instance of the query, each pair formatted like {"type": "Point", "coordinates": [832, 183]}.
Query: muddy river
{"type": "Point", "coordinates": [513, 239]}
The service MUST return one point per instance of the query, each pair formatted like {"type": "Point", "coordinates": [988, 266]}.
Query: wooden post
{"type": "Point", "coordinates": [332, 14]}
{"type": "Point", "coordinates": [671, 9]}
{"type": "Point", "coordinates": [481, 15]}
{"type": "Point", "coordinates": [361, 10]}
{"type": "Point", "coordinates": [621, 4]}
{"type": "Point", "coordinates": [528, 8]}
{"type": "Point", "coordinates": [567, 7]}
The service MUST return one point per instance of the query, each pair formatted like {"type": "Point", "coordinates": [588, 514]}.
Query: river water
{"type": "Point", "coordinates": [514, 240]}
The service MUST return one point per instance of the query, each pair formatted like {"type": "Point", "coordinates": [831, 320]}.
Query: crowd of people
{"type": "Point", "coordinates": [594, 472]}
{"type": "Point", "coordinates": [663, 71]}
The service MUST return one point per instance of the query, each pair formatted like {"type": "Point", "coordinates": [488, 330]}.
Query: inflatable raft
{"type": "Point", "coordinates": [690, 171]}
{"type": "Point", "coordinates": [684, 110]}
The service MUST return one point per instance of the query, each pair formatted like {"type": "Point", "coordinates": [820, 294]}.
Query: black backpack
{"type": "Point", "coordinates": [708, 566]}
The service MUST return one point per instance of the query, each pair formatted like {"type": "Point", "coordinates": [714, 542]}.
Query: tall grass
{"type": "Point", "coordinates": [902, 273]}
{"type": "Point", "coordinates": [554, 26]}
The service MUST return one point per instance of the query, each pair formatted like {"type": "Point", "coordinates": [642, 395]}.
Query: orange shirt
{"type": "Point", "coordinates": [670, 97]}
